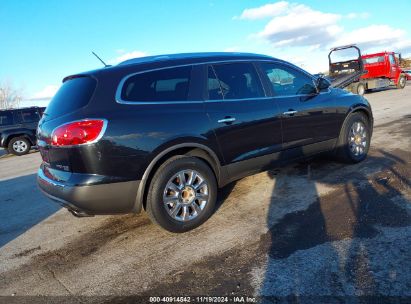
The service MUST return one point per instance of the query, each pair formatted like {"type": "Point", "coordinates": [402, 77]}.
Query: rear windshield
{"type": "Point", "coordinates": [372, 60]}
{"type": "Point", "coordinates": [72, 95]}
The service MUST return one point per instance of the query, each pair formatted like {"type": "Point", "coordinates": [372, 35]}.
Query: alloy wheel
{"type": "Point", "coordinates": [358, 138]}
{"type": "Point", "coordinates": [185, 196]}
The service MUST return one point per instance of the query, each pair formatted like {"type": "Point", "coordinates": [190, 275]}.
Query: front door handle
{"type": "Point", "coordinates": [290, 112]}
{"type": "Point", "coordinates": [226, 120]}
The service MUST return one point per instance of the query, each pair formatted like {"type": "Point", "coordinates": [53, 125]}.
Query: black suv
{"type": "Point", "coordinates": [163, 133]}
{"type": "Point", "coordinates": [18, 129]}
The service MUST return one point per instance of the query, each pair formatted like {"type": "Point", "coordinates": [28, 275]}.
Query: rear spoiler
{"type": "Point", "coordinates": [343, 73]}
{"type": "Point", "coordinates": [75, 76]}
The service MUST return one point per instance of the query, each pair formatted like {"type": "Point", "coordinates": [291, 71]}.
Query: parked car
{"type": "Point", "coordinates": [408, 74]}
{"type": "Point", "coordinates": [163, 133]}
{"type": "Point", "coordinates": [18, 129]}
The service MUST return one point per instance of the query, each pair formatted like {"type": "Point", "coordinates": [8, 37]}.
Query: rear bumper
{"type": "Point", "coordinates": [85, 198]}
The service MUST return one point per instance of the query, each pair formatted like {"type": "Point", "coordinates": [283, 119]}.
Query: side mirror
{"type": "Point", "coordinates": [322, 83]}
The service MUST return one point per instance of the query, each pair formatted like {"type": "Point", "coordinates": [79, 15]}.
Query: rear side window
{"type": "Point", "coordinates": [29, 116]}
{"type": "Point", "coordinates": [6, 118]}
{"type": "Point", "coordinates": [72, 95]}
{"type": "Point", "coordinates": [162, 85]}
{"type": "Point", "coordinates": [237, 81]}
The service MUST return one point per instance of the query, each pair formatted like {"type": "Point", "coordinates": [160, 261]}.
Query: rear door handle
{"type": "Point", "coordinates": [290, 112]}
{"type": "Point", "coordinates": [226, 120]}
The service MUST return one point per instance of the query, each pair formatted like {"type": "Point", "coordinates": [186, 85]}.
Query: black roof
{"type": "Point", "coordinates": [163, 61]}
{"type": "Point", "coordinates": [195, 57]}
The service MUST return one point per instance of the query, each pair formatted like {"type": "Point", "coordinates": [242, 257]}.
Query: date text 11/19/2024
{"type": "Point", "coordinates": [203, 299]}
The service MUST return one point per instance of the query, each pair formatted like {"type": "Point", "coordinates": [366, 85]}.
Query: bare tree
{"type": "Point", "coordinates": [10, 97]}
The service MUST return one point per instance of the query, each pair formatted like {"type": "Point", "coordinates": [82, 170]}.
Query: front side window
{"type": "Point", "coordinates": [161, 85]}
{"type": "Point", "coordinates": [286, 81]}
{"type": "Point", "coordinates": [29, 116]}
{"type": "Point", "coordinates": [6, 118]}
{"type": "Point", "coordinates": [237, 81]}
{"type": "Point", "coordinates": [392, 60]}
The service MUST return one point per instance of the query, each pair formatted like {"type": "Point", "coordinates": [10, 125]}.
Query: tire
{"type": "Point", "coordinates": [349, 140]}
{"type": "Point", "coordinates": [401, 82]}
{"type": "Point", "coordinates": [187, 201]}
{"type": "Point", "coordinates": [19, 146]}
{"type": "Point", "coordinates": [360, 89]}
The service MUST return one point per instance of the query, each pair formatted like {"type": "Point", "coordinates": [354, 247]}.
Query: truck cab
{"type": "Point", "coordinates": [382, 70]}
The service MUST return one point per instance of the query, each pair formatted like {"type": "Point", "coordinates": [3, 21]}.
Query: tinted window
{"type": "Point", "coordinates": [6, 118]}
{"type": "Point", "coordinates": [72, 95]}
{"type": "Point", "coordinates": [214, 89]}
{"type": "Point", "coordinates": [286, 81]}
{"type": "Point", "coordinates": [29, 116]}
{"type": "Point", "coordinates": [162, 85]}
{"type": "Point", "coordinates": [238, 81]}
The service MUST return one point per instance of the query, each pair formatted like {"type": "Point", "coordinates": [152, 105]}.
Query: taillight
{"type": "Point", "coordinates": [78, 132]}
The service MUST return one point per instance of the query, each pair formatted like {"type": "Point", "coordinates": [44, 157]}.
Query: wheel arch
{"type": "Point", "coordinates": [192, 149]}
{"type": "Point", "coordinates": [9, 137]}
{"type": "Point", "coordinates": [358, 109]}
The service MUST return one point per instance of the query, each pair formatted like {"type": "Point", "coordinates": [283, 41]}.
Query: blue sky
{"type": "Point", "coordinates": [43, 41]}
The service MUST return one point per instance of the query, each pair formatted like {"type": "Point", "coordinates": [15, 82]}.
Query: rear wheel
{"type": "Point", "coordinates": [19, 146]}
{"type": "Point", "coordinates": [182, 194]}
{"type": "Point", "coordinates": [401, 82]}
{"type": "Point", "coordinates": [360, 89]}
{"type": "Point", "coordinates": [354, 141]}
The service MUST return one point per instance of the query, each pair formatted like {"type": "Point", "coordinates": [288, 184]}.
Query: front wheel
{"type": "Point", "coordinates": [401, 82]}
{"type": "Point", "coordinates": [354, 140]}
{"type": "Point", "coordinates": [182, 194]}
{"type": "Point", "coordinates": [19, 146]}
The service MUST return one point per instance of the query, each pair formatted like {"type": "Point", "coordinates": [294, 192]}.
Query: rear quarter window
{"type": "Point", "coordinates": [171, 84]}
{"type": "Point", "coordinates": [72, 95]}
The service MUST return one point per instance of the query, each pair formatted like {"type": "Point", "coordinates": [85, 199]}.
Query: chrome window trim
{"type": "Point", "coordinates": [124, 79]}
{"type": "Point", "coordinates": [301, 95]}
{"type": "Point", "coordinates": [238, 99]}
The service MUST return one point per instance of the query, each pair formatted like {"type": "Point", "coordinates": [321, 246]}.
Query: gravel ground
{"type": "Point", "coordinates": [314, 228]}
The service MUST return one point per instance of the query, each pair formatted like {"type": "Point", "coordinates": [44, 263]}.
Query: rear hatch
{"type": "Point", "coordinates": [65, 107]}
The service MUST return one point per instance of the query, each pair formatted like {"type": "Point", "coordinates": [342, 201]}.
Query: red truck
{"type": "Point", "coordinates": [380, 70]}
{"type": "Point", "coordinates": [358, 73]}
